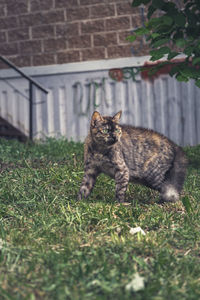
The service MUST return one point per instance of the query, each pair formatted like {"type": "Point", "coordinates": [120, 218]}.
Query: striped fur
{"type": "Point", "coordinates": [131, 154]}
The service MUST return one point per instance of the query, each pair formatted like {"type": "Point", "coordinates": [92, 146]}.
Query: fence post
{"type": "Point", "coordinates": [30, 110]}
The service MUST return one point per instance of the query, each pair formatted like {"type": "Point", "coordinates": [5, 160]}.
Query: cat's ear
{"type": "Point", "coordinates": [96, 117]}
{"type": "Point", "coordinates": [117, 116]}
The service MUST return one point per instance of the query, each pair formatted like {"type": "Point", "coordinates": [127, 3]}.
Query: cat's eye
{"type": "Point", "coordinates": [117, 130]}
{"type": "Point", "coordinates": [105, 130]}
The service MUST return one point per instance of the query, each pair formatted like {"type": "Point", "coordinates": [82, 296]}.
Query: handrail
{"type": "Point", "coordinates": [32, 82]}
{"type": "Point", "coordinates": [23, 74]}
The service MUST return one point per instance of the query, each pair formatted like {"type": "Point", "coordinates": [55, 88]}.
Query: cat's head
{"type": "Point", "coordinates": [105, 130]}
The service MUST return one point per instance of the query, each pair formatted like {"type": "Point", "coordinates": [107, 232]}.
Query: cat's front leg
{"type": "Point", "coordinates": [121, 180]}
{"type": "Point", "coordinates": [88, 182]}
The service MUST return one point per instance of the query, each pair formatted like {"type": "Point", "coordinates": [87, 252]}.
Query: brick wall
{"type": "Point", "coordinates": [45, 32]}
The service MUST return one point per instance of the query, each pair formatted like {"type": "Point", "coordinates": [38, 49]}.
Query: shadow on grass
{"type": "Point", "coordinates": [193, 155]}
{"type": "Point", "coordinates": [194, 163]}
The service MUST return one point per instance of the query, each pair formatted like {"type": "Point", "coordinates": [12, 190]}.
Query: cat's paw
{"type": "Point", "coordinates": [83, 193]}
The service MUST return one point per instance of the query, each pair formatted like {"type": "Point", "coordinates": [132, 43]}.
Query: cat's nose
{"type": "Point", "coordinates": [114, 138]}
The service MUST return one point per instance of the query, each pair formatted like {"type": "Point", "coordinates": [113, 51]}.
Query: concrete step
{"type": "Point", "coordinates": [7, 131]}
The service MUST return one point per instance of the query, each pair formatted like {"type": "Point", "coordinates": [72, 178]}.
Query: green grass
{"type": "Point", "coordinates": [53, 247]}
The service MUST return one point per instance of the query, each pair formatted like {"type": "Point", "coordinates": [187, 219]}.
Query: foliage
{"type": "Point", "coordinates": [171, 31]}
{"type": "Point", "coordinates": [53, 247]}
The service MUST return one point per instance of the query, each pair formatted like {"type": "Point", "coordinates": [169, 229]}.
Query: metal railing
{"type": "Point", "coordinates": [32, 83]}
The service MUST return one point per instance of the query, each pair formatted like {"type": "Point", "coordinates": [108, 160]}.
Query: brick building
{"type": "Point", "coordinates": [37, 32]}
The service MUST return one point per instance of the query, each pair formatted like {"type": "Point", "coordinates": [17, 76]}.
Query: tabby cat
{"type": "Point", "coordinates": [135, 154]}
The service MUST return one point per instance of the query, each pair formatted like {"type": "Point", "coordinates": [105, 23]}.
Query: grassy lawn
{"type": "Point", "coordinates": [53, 247]}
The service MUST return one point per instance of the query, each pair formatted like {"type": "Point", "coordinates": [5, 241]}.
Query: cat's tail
{"type": "Point", "coordinates": [175, 177]}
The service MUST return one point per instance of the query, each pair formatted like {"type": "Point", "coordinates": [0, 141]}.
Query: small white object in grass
{"type": "Point", "coordinates": [136, 230]}
{"type": "Point", "coordinates": [136, 284]}
{"type": "Point", "coordinates": [118, 229]}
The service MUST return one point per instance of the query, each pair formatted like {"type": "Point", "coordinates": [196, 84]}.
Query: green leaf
{"type": "Point", "coordinates": [151, 10]}
{"type": "Point", "coordinates": [178, 35]}
{"type": "Point", "coordinates": [180, 43]}
{"type": "Point", "coordinates": [156, 57]}
{"type": "Point", "coordinates": [154, 22]}
{"type": "Point", "coordinates": [159, 53]}
{"type": "Point", "coordinates": [165, 29]}
{"type": "Point", "coordinates": [197, 83]}
{"type": "Point", "coordinates": [141, 31]}
{"type": "Point", "coordinates": [131, 38]}
{"type": "Point", "coordinates": [195, 60]}
{"type": "Point", "coordinates": [167, 20]}
{"type": "Point", "coordinates": [164, 50]}
{"type": "Point", "coordinates": [188, 71]}
{"type": "Point", "coordinates": [136, 3]}
{"type": "Point", "coordinates": [188, 50]}
{"type": "Point", "coordinates": [160, 42]}
{"type": "Point", "coordinates": [170, 8]}
{"type": "Point", "coordinates": [173, 70]}
{"type": "Point", "coordinates": [146, 1]}
{"type": "Point", "coordinates": [157, 25]}
{"type": "Point", "coordinates": [190, 39]}
{"type": "Point", "coordinates": [155, 35]}
{"type": "Point", "coordinates": [180, 77]}
{"type": "Point", "coordinates": [172, 54]}
{"type": "Point", "coordinates": [180, 19]}
{"type": "Point", "coordinates": [158, 3]}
